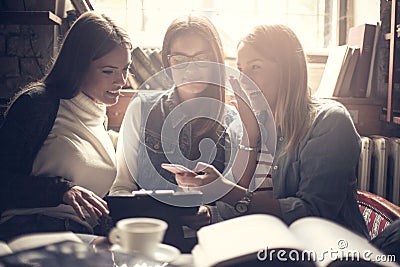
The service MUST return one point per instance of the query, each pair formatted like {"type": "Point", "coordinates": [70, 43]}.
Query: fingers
{"type": "Point", "coordinates": [243, 104]}
{"type": "Point", "coordinates": [249, 97]}
{"type": "Point", "coordinates": [204, 167]}
{"type": "Point", "coordinates": [240, 94]}
{"type": "Point", "coordinates": [202, 218]}
{"type": "Point", "coordinates": [187, 180]}
{"type": "Point", "coordinates": [208, 174]}
{"type": "Point", "coordinates": [78, 197]}
{"type": "Point", "coordinates": [74, 204]}
{"type": "Point", "coordinates": [92, 210]}
{"type": "Point", "coordinates": [237, 89]}
{"type": "Point", "coordinates": [97, 202]}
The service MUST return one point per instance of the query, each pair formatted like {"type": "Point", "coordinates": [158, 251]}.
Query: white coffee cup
{"type": "Point", "coordinates": [138, 235]}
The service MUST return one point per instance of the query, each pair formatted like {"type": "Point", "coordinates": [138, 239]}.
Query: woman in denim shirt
{"type": "Point", "coordinates": [185, 124]}
{"type": "Point", "coordinates": [313, 172]}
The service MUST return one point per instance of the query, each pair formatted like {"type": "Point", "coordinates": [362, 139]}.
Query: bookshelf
{"type": "Point", "coordinates": [392, 36]}
{"type": "Point", "coordinates": [29, 17]}
{"type": "Point", "coordinates": [115, 113]}
{"type": "Point", "coordinates": [365, 112]}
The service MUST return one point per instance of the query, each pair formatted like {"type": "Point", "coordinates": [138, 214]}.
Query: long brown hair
{"type": "Point", "coordinates": [204, 28]}
{"type": "Point", "coordinates": [294, 110]}
{"type": "Point", "coordinates": [91, 36]}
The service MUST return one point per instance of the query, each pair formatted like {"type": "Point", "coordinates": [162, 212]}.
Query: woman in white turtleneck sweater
{"type": "Point", "coordinates": [59, 162]}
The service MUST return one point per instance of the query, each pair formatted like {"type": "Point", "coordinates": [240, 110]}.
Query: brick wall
{"type": "Point", "coordinates": [25, 50]}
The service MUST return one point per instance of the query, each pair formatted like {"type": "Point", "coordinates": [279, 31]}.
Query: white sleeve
{"type": "Point", "coordinates": [127, 150]}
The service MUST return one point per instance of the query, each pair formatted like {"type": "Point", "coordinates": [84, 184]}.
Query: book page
{"type": "Point", "coordinates": [344, 90]}
{"type": "Point", "coordinates": [4, 249]}
{"type": "Point", "coordinates": [344, 70]}
{"type": "Point", "coordinates": [241, 236]}
{"type": "Point", "coordinates": [332, 71]}
{"type": "Point", "coordinates": [41, 239]}
{"type": "Point", "coordinates": [327, 241]}
{"type": "Point", "coordinates": [371, 74]}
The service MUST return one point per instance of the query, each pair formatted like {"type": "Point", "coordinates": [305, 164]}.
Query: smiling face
{"type": "Point", "coordinates": [192, 47]}
{"type": "Point", "coordinates": [263, 71]}
{"type": "Point", "coordinates": [107, 75]}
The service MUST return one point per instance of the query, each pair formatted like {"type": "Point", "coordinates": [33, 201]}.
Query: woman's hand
{"type": "Point", "coordinates": [208, 175]}
{"type": "Point", "coordinates": [200, 219]}
{"type": "Point", "coordinates": [78, 197]}
{"type": "Point", "coordinates": [251, 128]}
{"type": "Point", "coordinates": [210, 182]}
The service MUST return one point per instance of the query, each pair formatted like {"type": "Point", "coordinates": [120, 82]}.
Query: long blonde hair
{"type": "Point", "coordinates": [295, 108]}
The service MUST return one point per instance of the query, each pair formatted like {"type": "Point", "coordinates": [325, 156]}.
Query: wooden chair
{"type": "Point", "coordinates": [378, 212]}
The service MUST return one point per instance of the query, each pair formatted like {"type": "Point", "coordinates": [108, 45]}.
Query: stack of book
{"type": "Point", "coordinates": [338, 73]}
{"type": "Point", "coordinates": [349, 70]}
{"type": "Point", "coordinates": [147, 71]}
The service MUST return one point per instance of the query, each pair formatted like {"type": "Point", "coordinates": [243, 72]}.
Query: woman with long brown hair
{"type": "Point", "coordinates": [170, 126]}
{"type": "Point", "coordinates": [57, 160]}
{"type": "Point", "coordinates": [314, 169]}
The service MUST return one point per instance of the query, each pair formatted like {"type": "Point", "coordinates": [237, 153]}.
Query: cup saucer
{"type": "Point", "coordinates": [166, 253]}
{"type": "Point", "coordinates": [163, 252]}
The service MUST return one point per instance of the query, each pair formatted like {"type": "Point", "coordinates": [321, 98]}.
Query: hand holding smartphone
{"type": "Point", "coordinates": [179, 169]}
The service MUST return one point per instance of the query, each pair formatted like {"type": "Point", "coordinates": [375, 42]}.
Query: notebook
{"type": "Point", "coordinates": [166, 205]}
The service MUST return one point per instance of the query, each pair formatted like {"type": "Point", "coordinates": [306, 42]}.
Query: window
{"type": "Point", "coordinates": [314, 21]}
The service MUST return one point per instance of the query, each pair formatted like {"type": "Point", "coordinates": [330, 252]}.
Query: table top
{"type": "Point", "coordinates": [97, 252]}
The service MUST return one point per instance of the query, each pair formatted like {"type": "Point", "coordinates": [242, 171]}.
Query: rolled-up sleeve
{"type": "Point", "coordinates": [325, 167]}
{"type": "Point", "coordinates": [127, 151]}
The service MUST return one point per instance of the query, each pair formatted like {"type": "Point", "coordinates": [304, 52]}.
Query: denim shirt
{"type": "Point", "coordinates": [175, 146]}
{"type": "Point", "coordinates": [318, 178]}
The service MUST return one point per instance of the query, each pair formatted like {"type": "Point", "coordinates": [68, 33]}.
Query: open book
{"type": "Point", "coordinates": [261, 239]}
{"type": "Point", "coordinates": [30, 241]}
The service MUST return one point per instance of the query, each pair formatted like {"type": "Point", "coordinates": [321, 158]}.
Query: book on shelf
{"type": "Point", "coordinates": [133, 82]}
{"type": "Point", "coordinates": [362, 36]}
{"type": "Point", "coordinates": [144, 58]}
{"type": "Point", "coordinates": [261, 239]}
{"type": "Point", "coordinates": [343, 88]}
{"type": "Point", "coordinates": [143, 76]}
{"type": "Point", "coordinates": [155, 57]}
{"type": "Point", "coordinates": [145, 66]}
{"type": "Point", "coordinates": [335, 67]}
{"type": "Point", "coordinates": [82, 6]}
{"type": "Point", "coordinates": [371, 77]}
{"type": "Point", "coordinates": [135, 73]}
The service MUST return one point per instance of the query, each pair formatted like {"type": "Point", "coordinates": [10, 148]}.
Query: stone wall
{"type": "Point", "coordinates": [25, 50]}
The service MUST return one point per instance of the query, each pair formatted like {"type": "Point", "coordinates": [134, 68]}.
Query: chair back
{"type": "Point", "coordinates": [377, 211]}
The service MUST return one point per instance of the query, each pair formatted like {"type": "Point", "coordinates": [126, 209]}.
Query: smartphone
{"type": "Point", "coordinates": [178, 169]}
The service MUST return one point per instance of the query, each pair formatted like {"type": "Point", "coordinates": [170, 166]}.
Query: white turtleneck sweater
{"type": "Point", "coordinates": [77, 148]}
